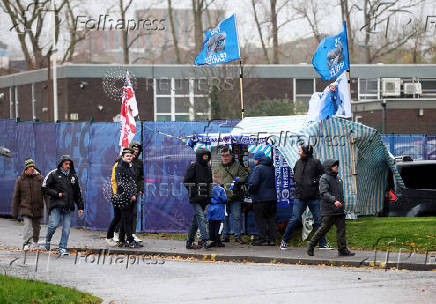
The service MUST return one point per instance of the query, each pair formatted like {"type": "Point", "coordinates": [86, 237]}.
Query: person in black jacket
{"type": "Point", "coordinates": [62, 187]}
{"type": "Point", "coordinates": [307, 172]}
{"type": "Point", "coordinates": [261, 185]}
{"type": "Point", "coordinates": [198, 179]}
{"type": "Point", "coordinates": [124, 194]}
{"type": "Point", "coordinates": [138, 166]}
{"type": "Point", "coordinates": [332, 208]}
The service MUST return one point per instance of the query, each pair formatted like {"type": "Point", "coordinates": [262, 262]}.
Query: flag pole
{"type": "Point", "coordinates": [241, 76]}
{"type": "Point", "coordinates": [352, 141]}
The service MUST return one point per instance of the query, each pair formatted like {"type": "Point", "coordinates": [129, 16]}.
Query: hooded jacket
{"type": "Point", "coordinates": [57, 182]}
{"type": "Point", "coordinates": [307, 172]}
{"type": "Point", "coordinates": [261, 183]}
{"type": "Point", "coordinates": [217, 209]}
{"type": "Point", "coordinates": [138, 166]}
{"type": "Point", "coordinates": [198, 178]}
{"type": "Point", "coordinates": [331, 190]}
{"type": "Point", "coordinates": [27, 195]}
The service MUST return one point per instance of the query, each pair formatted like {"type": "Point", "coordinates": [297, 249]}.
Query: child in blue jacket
{"type": "Point", "coordinates": [216, 213]}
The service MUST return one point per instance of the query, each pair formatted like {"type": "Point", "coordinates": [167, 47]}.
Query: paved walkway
{"type": "Point", "coordinates": [93, 242]}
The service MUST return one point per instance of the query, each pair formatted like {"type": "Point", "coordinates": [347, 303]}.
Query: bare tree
{"type": "Point", "coordinates": [176, 46]}
{"type": "Point", "coordinates": [199, 7]}
{"type": "Point", "coordinates": [309, 10]}
{"type": "Point", "coordinates": [345, 12]}
{"type": "Point", "coordinates": [28, 22]}
{"type": "Point", "coordinates": [259, 30]}
{"type": "Point", "coordinates": [383, 30]}
{"type": "Point", "coordinates": [74, 35]}
{"type": "Point", "coordinates": [273, 10]}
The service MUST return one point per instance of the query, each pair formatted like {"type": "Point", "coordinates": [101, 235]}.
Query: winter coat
{"type": "Point", "coordinates": [261, 184]}
{"type": "Point", "coordinates": [217, 210]}
{"type": "Point", "coordinates": [198, 178]}
{"type": "Point", "coordinates": [227, 174]}
{"type": "Point", "coordinates": [138, 166]}
{"type": "Point", "coordinates": [56, 182]}
{"type": "Point", "coordinates": [331, 190]}
{"type": "Point", "coordinates": [28, 196]}
{"type": "Point", "coordinates": [123, 182]}
{"type": "Point", "coordinates": [307, 172]}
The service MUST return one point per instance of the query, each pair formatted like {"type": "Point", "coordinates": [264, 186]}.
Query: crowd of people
{"type": "Point", "coordinates": [215, 194]}
{"type": "Point", "coordinates": [219, 189]}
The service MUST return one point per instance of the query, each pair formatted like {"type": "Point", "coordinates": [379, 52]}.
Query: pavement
{"type": "Point", "coordinates": [93, 242]}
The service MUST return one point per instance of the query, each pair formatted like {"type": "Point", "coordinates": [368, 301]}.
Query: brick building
{"type": "Point", "coordinates": [381, 93]}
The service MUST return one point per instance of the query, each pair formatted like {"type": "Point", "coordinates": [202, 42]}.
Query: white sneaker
{"type": "Point", "coordinates": [137, 239]}
{"type": "Point", "coordinates": [26, 247]}
{"type": "Point", "coordinates": [116, 237]}
{"type": "Point", "coordinates": [63, 251]}
{"type": "Point", "coordinates": [283, 245]}
{"type": "Point", "coordinates": [111, 242]}
{"type": "Point", "coordinates": [326, 247]}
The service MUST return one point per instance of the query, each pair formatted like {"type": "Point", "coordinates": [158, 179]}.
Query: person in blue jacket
{"type": "Point", "coordinates": [262, 188]}
{"type": "Point", "coordinates": [216, 213]}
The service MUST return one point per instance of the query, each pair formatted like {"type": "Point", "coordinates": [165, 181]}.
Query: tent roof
{"type": "Point", "coordinates": [269, 125]}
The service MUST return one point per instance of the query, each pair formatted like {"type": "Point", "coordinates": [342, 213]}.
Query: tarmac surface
{"type": "Point", "coordinates": [165, 272]}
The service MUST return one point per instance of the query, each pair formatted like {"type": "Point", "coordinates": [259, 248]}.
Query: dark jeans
{"type": "Point", "coordinates": [198, 222]}
{"type": "Point", "coordinates": [298, 209]}
{"type": "Point", "coordinates": [134, 218]}
{"type": "Point", "coordinates": [265, 217]}
{"type": "Point", "coordinates": [327, 222]}
{"type": "Point", "coordinates": [114, 223]}
{"type": "Point", "coordinates": [126, 223]}
{"type": "Point", "coordinates": [214, 231]}
{"type": "Point", "coordinates": [233, 209]}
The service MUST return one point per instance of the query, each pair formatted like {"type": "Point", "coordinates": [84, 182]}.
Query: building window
{"type": "Point", "coordinates": [180, 100]}
{"type": "Point", "coordinates": [369, 88]}
{"type": "Point", "coordinates": [303, 90]}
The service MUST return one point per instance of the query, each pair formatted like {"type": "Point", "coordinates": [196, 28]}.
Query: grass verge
{"type": "Point", "coordinates": [366, 233]}
{"type": "Point", "coordinates": [16, 290]}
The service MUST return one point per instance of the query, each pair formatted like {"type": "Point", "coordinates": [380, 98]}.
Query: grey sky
{"type": "Point", "coordinates": [329, 16]}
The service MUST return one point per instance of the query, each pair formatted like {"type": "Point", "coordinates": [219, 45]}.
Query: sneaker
{"type": "Point", "coordinates": [111, 242]}
{"type": "Point", "coordinates": [310, 249]}
{"type": "Point", "coordinates": [116, 237]}
{"type": "Point", "coordinates": [190, 245]}
{"type": "Point", "coordinates": [210, 245]}
{"type": "Point", "coordinates": [271, 243]}
{"type": "Point", "coordinates": [240, 241]}
{"type": "Point", "coordinates": [203, 244]}
{"type": "Point", "coordinates": [63, 251]}
{"type": "Point", "coordinates": [326, 247]}
{"type": "Point", "coordinates": [26, 247]}
{"type": "Point", "coordinates": [283, 245]}
{"type": "Point", "coordinates": [226, 240]}
{"type": "Point", "coordinates": [134, 244]}
{"type": "Point", "coordinates": [259, 243]}
{"type": "Point", "coordinates": [137, 239]}
{"type": "Point", "coordinates": [346, 252]}
{"type": "Point", "coordinates": [220, 244]}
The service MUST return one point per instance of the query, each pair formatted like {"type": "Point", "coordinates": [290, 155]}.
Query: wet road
{"type": "Point", "coordinates": [147, 280]}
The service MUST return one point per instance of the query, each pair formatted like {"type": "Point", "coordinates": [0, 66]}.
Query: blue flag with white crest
{"type": "Point", "coordinates": [221, 44]}
{"type": "Point", "coordinates": [331, 56]}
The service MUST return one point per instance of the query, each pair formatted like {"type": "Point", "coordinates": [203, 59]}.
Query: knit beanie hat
{"type": "Point", "coordinates": [29, 163]}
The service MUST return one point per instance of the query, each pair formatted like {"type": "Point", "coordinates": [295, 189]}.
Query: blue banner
{"type": "Point", "coordinates": [221, 44]}
{"type": "Point", "coordinates": [331, 57]}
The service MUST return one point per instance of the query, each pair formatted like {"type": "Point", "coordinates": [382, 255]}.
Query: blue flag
{"type": "Point", "coordinates": [335, 100]}
{"type": "Point", "coordinates": [331, 56]}
{"type": "Point", "coordinates": [221, 44]}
